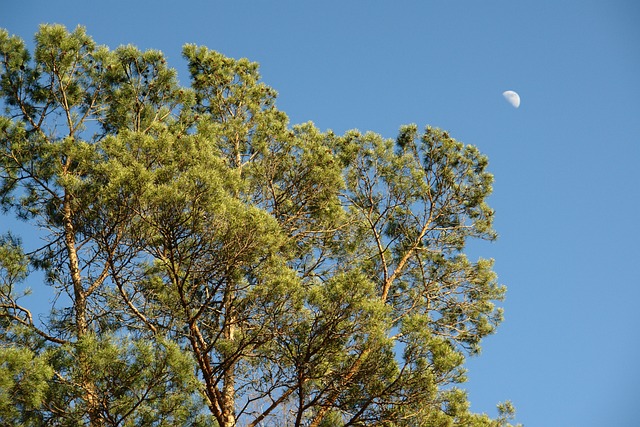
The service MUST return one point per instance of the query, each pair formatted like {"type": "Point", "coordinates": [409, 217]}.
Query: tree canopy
{"type": "Point", "coordinates": [215, 265]}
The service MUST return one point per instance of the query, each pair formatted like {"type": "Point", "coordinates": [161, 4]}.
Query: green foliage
{"type": "Point", "coordinates": [24, 382]}
{"type": "Point", "coordinates": [215, 265]}
{"type": "Point", "coordinates": [13, 262]}
{"type": "Point", "coordinates": [137, 382]}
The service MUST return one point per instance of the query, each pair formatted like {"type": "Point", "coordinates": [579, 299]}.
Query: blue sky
{"type": "Point", "coordinates": [566, 162]}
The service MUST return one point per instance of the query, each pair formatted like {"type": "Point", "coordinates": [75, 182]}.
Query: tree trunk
{"type": "Point", "coordinates": [228, 397]}
{"type": "Point", "coordinates": [228, 388]}
{"type": "Point", "coordinates": [81, 323]}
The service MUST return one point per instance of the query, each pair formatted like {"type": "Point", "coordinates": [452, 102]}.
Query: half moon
{"type": "Point", "coordinates": [512, 98]}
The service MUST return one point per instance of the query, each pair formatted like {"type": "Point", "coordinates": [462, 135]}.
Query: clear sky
{"type": "Point", "coordinates": [566, 162]}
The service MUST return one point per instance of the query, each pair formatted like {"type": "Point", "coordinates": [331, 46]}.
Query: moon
{"type": "Point", "coordinates": [512, 98]}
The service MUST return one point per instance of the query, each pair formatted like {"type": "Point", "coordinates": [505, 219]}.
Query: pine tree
{"type": "Point", "coordinates": [215, 264]}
